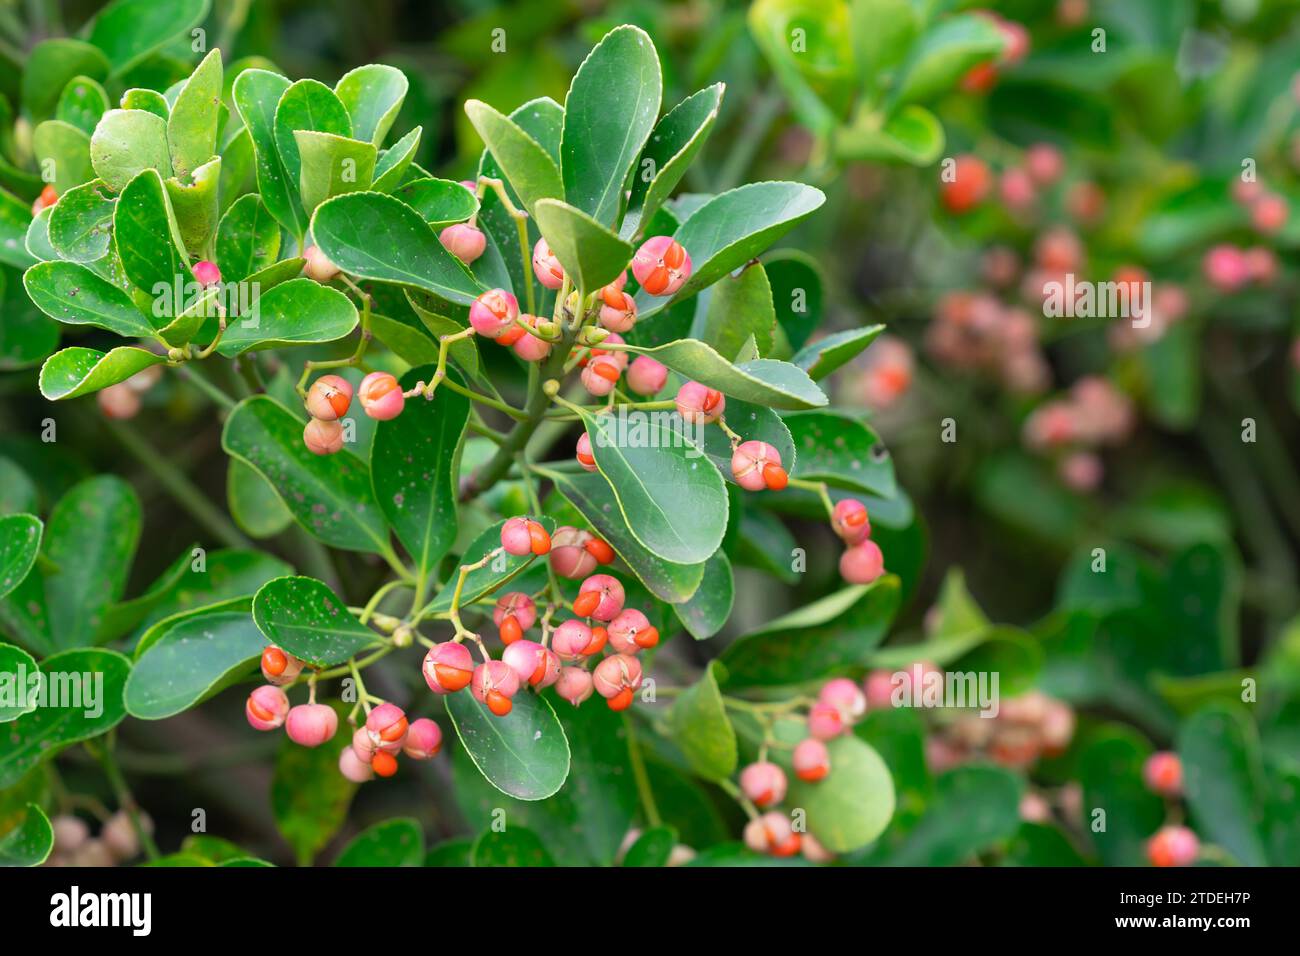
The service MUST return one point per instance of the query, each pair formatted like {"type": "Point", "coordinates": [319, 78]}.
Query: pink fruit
{"type": "Point", "coordinates": [811, 759]}
{"type": "Point", "coordinates": [601, 375]}
{"type": "Point", "coordinates": [524, 657]}
{"type": "Point", "coordinates": [575, 553]}
{"type": "Point", "coordinates": [311, 724]}
{"type": "Point", "coordinates": [323, 438]}
{"type": "Point", "coordinates": [317, 266]}
{"type": "Point", "coordinates": [1163, 774]}
{"type": "Point", "coordinates": [380, 396]}
{"type": "Point", "coordinates": [387, 727]}
{"type": "Point", "coordinates": [583, 453]}
{"type": "Point", "coordinates": [206, 273]}
{"type": "Point", "coordinates": [879, 689]}
{"type": "Point", "coordinates": [571, 640]}
{"type": "Point", "coordinates": [329, 398]}
{"type": "Point", "coordinates": [1173, 846]}
{"type": "Point", "coordinates": [600, 596]}
{"type": "Point", "coordinates": [763, 783]}
{"type": "Point", "coordinates": [617, 310]}
{"type": "Point", "coordinates": [574, 685]}
{"type": "Point", "coordinates": [862, 563]}
{"type": "Point", "coordinates": [423, 740]}
{"type": "Point", "coordinates": [278, 667]}
{"type": "Point", "coordinates": [630, 631]}
{"type": "Point", "coordinates": [1269, 213]}
{"type": "Point", "coordinates": [514, 613]}
{"type": "Point", "coordinates": [845, 696]}
{"type": "Point", "coordinates": [266, 708]}
{"type": "Point", "coordinates": [546, 266]}
{"type": "Point", "coordinates": [118, 402]}
{"type": "Point", "coordinates": [448, 667]}
{"type": "Point", "coordinates": [850, 520]}
{"type": "Point", "coordinates": [772, 833]}
{"type": "Point", "coordinates": [661, 265]}
{"type": "Point", "coordinates": [494, 683]}
{"type": "Point", "coordinates": [756, 465]}
{"type": "Point", "coordinates": [647, 376]}
{"type": "Point", "coordinates": [616, 678]}
{"type": "Point", "coordinates": [967, 186]}
{"type": "Point", "coordinates": [521, 536]}
{"type": "Point", "coordinates": [529, 347]}
{"type": "Point", "coordinates": [494, 312]}
{"type": "Point", "coordinates": [463, 241]}
{"type": "Point", "coordinates": [825, 722]}
{"type": "Point", "coordinates": [353, 767]}
{"type": "Point", "coordinates": [700, 404]}
{"type": "Point", "coordinates": [1044, 163]}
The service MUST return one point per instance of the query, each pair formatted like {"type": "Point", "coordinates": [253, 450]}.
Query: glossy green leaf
{"type": "Point", "coordinates": [253, 503]}
{"type": "Point", "coordinates": [440, 202]}
{"type": "Point", "coordinates": [911, 135]}
{"type": "Point", "coordinates": [740, 308]}
{"type": "Point", "coordinates": [373, 96]}
{"type": "Point", "coordinates": [705, 612]}
{"type": "Point", "coordinates": [807, 43]}
{"type": "Point", "coordinates": [90, 682]}
{"type": "Point", "coordinates": [125, 143]}
{"type": "Point", "coordinates": [854, 803]}
{"type": "Point", "coordinates": [197, 205]}
{"type": "Point", "coordinates": [699, 726]}
{"type": "Point", "coordinates": [73, 294]}
{"type": "Point", "coordinates": [256, 93]}
{"type": "Point", "coordinates": [670, 494]}
{"type": "Point", "coordinates": [943, 55]}
{"type": "Point", "coordinates": [761, 381]}
{"type": "Point", "coordinates": [123, 616]}
{"type": "Point", "coordinates": [331, 166]}
{"type": "Point", "coordinates": [36, 242]}
{"type": "Point", "coordinates": [187, 658]}
{"type": "Point", "coordinates": [842, 451]}
{"type": "Point", "coordinates": [192, 126]}
{"type": "Point", "coordinates": [30, 843]}
{"type": "Point", "coordinates": [829, 636]}
{"type": "Point", "coordinates": [51, 65]}
{"type": "Point", "coordinates": [414, 457]}
{"type": "Point", "coordinates": [593, 497]}
{"type": "Point", "coordinates": [248, 239]}
{"type": "Point", "coordinates": [523, 754]}
{"type": "Point", "coordinates": [15, 220]}
{"type": "Point", "coordinates": [330, 496]}
{"type": "Point", "coordinates": [381, 238]}
{"type": "Point", "coordinates": [81, 222]}
{"type": "Point", "coordinates": [654, 847]}
{"type": "Point", "coordinates": [67, 150]}
{"type": "Point", "coordinates": [497, 572]}
{"type": "Point", "coordinates": [304, 617]}
{"type": "Point", "coordinates": [755, 423]}
{"type": "Point", "coordinates": [797, 295]}
{"type": "Point", "coordinates": [825, 355]}
{"type": "Point", "coordinates": [591, 254]}
{"type": "Point", "coordinates": [529, 168]}
{"type": "Point", "coordinates": [1110, 771]}
{"type": "Point", "coordinates": [306, 105]}
{"type": "Point", "coordinates": [309, 797]}
{"type": "Point", "coordinates": [514, 846]}
{"type": "Point", "coordinates": [609, 113]}
{"type": "Point", "coordinates": [129, 30]}
{"type": "Point", "coordinates": [81, 104]}
{"type": "Point", "coordinates": [294, 312]}
{"type": "Point", "coordinates": [151, 101]}
{"type": "Point", "coordinates": [16, 670]}
{"type": "Point", "coordinates": [676, 140]}
{"type": "Point", "coordinates": [224, 575]}
{"type": "Point", "coordinates": [147, 238]}
{"type": "Point", "coordinates": [1224, 779]}
{"type": "Point", "coordinates": [392, 165]}
{"type": "Point", "coordinates": [20, 542]}
{"type": "Point", "coordinates": [393, 842]}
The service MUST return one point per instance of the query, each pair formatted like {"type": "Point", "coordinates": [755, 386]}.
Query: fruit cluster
{"type": "Point", "coordinates": [116, 843]}
{"type": "Point", "coordinates": [1025, 729]}
{"type": "Point", "coordinates": [1173, 844]}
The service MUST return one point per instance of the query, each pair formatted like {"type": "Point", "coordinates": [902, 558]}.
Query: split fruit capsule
{"type": "Point", "coordinates": [757, 465]}
{"type": "Point", "coordinates": [494, 683]}
{"type": "Point", "coordinates": [329, 398]}
{"type": "Point", "coordinates": [575, 553]}
{"type": "Point", "coordinates": [514, 613]}
{"type": "Point", "coordinates": [380, 396]}
{"type": "Point", "coordinates": [423, 739]}
{"type": "Point", "coordinates": [323, 437]}
{"type": "Point", "coordinates": [850, 520]}
{"type": "Point", "coordinates": [772, 833]}
{"type": "Point", "coordinates": [616, 678]}
{"type": "Point", "coordinates": [448, 667]}
{"type": "Point", "coordinates": [278, 667]}
{"type": "Point", "coordinates": [661, 265]}
{"type": "Point", "coordinates": [521, 536]}
{"type": "Point", "coordinates": [811, 759]}
{"type": "Point", "coordinates": [493, 313]}
{"type": "Point", "coordinates": [546, 266]}
{"type": "Point", "coordinates": [630, 631]}
{"type": "Point", "coordinates": [763, 783]}
{"type": "Point", "coordinates": [266, 708]}
{"type": "Point", "coordinates": [600, 596]}
{"type": "Point", "coordinates": [699, 404]}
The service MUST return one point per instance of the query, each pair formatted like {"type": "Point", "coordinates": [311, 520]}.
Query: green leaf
{"type": "Point", "coordinates": [670, 495]}
{"type": "Point", "coordinates": [699, 725]}
{"type": "Point", "coordinates": [854, 803]}
{"type": "Point", "coordinates": [1110, 770]}
{"type": "Point", "coordinates": [86, 709]}
{"type": "Point", "coordinates": [753, 422]}
{"type": "Point", "coordinates": [329, 496]}
{"type": "Point", "coordinates": [973, 808]}
{"type": "Point", "coordinates": [392, 165]}
{"type": "Point", "coordinates": [256, 93]}
{"type": "Point", "coordinates": [50, 66]}
{"type": "Point", "coordinates": [248, 239]}
{"type": "Point", "coordinates": [253, 503]}
{"type": "Point", "coordinates": [151, 101]}
{"type": "Point", "coordinates": [829, 636]}
{"type": "Point", "coordinates": [20, 542]}
{"type": "Point", "coordinates": [654, 847]}
{"type": "Point", "coordinates": [593, 497]}
{"type": "Point", "coordinates": [65, 148]}
{"type": "Point", "coordinates": [192, 126]}
{"type": "Point", "coordinates": [18, 666]}
{"type": "Point", "coordinates": [80, 226]}
{"type": "Point", "coordinates": [912, 135]}
{"type": "Point", "coordinates": [34, 246]}
{"type": "Point", "coordinates": [807, 43]}
{"type": "Point", "coordinates": [591, 254]}
{"type": "Point", "coordinates": [81, 104]}
{"type": "Point", "coordinates": [129, 30]}
{"type": "Point", "coordinates": [705, 612]}
{"type": "Point", "coordinates": [307, 105]}
{"type": "Point", "coordinates": [497, 572]}
{"type": "Point", "coordinates": [762, 381]}
{"type": "Point", "coordinates": [197, 205]}
{"type": "Point", "coordinates": [1042, 844]}
{"type": "Point", "coordinates": [842, 451]}
{"type": "Point", "coordinates": [30, 843]}
{"type": "Point", "coordinates": [77, 371]}
{"type": "Point", "coordinates": [123, 616]}
{"type": "Point", "coordinates": [1224, 780]}
{"type": "Point", "coordinates": [309, 797]}
{"type": "Point", "coordinates": [610, 110]}
{"type": "Point", "coordinates": [734, 227]}
{"type": "Point", "coordinates": [73, 294]}
{"type": "Point", "coordinates": [292, 313]}
{"type": "Point", "coordinates": [125, 143]}
{"type": "Point", "coordinates": [530, 169]}
{"type": "Point", "coordinates": [189, 657]}
{"type": "Point", "coordinates": [943, 55]}
{"type": "Point", "coordinates": [454, 852]}
{"type": "Point", "coordinates": [393, 842]}
{"type": "Point", "coordinates": [331, 166]}
{"type": "Point", "coordinates": [825, 355]}
{"type": "Point", "coordinates": [440, 202]}
{"type": "Point", "coordinates": [740, 307]}
{"type": "Point", "coordinates": [515, 846]}
{"type": "Point", "coordinates": [226, 574]}
{"type": "Point", "coordinates": [373, 96]}
{"type": "Point", "coordinates": [381, 238]}
{"type": "Point", "coordinates": [523, 754]}
{"type": "Point", "coordinates": [15, 221]}
{"type": "Point", "coordinates": [676, 140]}
{"type": "Point", "coordinates": [797, 296]}
{"type": "Point", "coordinates": [414, 471]}
{"type": "Point", "coordinates": [304, 617]}
{"type": "Point", "coordinates": [148, 240]}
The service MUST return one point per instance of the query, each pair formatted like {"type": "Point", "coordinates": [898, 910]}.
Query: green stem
{"type": "Point", "coordinates": [180, 487]}
{"type": "Point", "coordinates": [639, 772]}
{"type": "Point", "coordinates": [200, 381]}
{"type": "Point", "coordinates": [125, 799]}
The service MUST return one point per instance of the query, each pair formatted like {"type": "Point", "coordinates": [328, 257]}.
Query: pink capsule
{"type": "Point", "coordinates": [850, 520]}
{"type": "Point", "coordinates": [1269, 213]}
{"type": "Point", "coordinates": [1045, 163]}
{"type": "Point", "coordinates": [448, 667]}
{"type": "Point", "coordinates": [574, 685]}
{"type": "Point", "coordinates": [661, 265]}
{"type": "Point", "coordinates": [118, 402]}
{"type": "Point", "coordinates": [617, 310]}
{"type": "Point", "coordinates": [845, 696]}
{"type": "Point", "coordinates": [387, 727]}
{"type": "Point", "coordinates": [322, 437]}
{"type": "Point", "coordinates": [569, 555]}
{"type": "Point", "coordinates": [517, 605]}
{"type": "Point", "coordinates": [546, 266]}
{"type": "Point", "coordinates": [615, 674]}
{"type": "Point", "coordinates": [571, 640]}
{"type": "Point", "coordinates": [879, 689]}
{"type": "Point", "coordinates": [772, 833]}
{"type": "Point", "coordinates": [380, 396]}
{"type": "Point", "coordinates": [529, 347]}
{"type": "Point", "coordinates": [1173, 846]}
{"type": "Point", "coordinates": [353, 767]}
{"type": "Point", "coordinates": [493, 312]}
{"type": "Point", "coordinates": [1163, 774]}
{"type": "Point", "coordinates": [266, 708]}
{"type": "Point", "coordinates": [279, 668]}
{"type": "Point", "coordinates": [700, 404]}
{"type": "Point", "coordinates": [206, 273]}
{"type": "Point", "coordinates": [600, 596]}
{"type": "Point", "coordinates": [524, 657]}
{"type": "Point", "coordinates": [862, 563]}
{"type": "Point", "coordinates": [317, 266]}
{"type": "Point", "coordinates": [631, 630]}
{"type": "Point", "coordinates": [756, 466]}
{"type": "Point", "coordinates": [521, 536]}
{"type": "Point", "coordinates": [311, 724]}
{"type": "Point", "coordinates": [423, 740]}
{"type": "Point", "coordinates": [601, 375]}
{"type": "Point", "coordinates": [1226, 268]}
{"type": "Point", "coordinates": [825, 722]}
{"type": "Point", "coordinates": [329, 398]}
{"type": "Point", "coordinates": [763, 783]}
{"type": "Point", "coordinates": [494, 683]}
{"type": "Point", "coordinates": [463, 241]}
{"type": "Point", "coordinates": [646, 376]}
{"type": "Point", "coordinates": [584, 454]}
{"type": "Point", "coordinates": [811, 759]}
{"type": "Point", "coordinates": [618, 356]}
